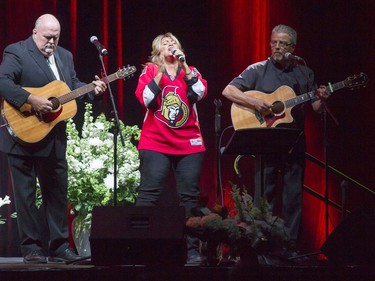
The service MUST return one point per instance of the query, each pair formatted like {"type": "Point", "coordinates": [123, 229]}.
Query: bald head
{"type": "Point", "coordinates": [46, 34]}
{"type": "Point", "coordinates": [47, 19]}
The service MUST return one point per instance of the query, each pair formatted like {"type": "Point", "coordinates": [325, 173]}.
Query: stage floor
{"type": "Point", "coordinates": [13, 268]}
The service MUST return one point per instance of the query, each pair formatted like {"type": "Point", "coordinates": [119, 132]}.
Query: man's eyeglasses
{"type": "Point", "coordinates": [282, 44]}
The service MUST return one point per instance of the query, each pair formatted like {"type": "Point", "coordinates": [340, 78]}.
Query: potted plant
{"type": "Point", "coordinates": [245, 228]}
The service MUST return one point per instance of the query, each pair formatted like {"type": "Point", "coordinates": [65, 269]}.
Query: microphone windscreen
{"type": "Point", "coordinates": [93, 38]}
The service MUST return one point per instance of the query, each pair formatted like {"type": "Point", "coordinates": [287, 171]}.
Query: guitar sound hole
{"type": "Point", "coordinates": [55, 103]}
{"type": "Point", "coordinates": [278, 108]}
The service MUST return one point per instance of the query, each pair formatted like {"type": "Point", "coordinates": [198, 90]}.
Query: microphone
{"type": "Point", "coordinates": [99, 46]}
{"type": "Point", "coordinates": [291, 57]}
{"type": "Point", "coordinates": [181, 58]}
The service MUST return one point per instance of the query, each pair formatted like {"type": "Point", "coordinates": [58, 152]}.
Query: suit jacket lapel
{"type": "Point", "coordinates": [39, 59]}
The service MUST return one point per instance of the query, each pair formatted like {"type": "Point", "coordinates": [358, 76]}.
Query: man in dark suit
{"type": "Point", "coordinates": [35, 62]}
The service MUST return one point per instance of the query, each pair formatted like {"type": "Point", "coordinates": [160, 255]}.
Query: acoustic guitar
{"type": "Point", "coordinates": [283, 100]}
{"type": "Point", "coordinates": [27, 127]}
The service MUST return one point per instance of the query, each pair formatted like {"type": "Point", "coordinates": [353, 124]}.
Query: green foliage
{"type": "Point", "coordinates": [257, 223]}
{"type": "Point", "coordinates": [247, 227]}
{"type": "Point", "coordinates": [91, 165]}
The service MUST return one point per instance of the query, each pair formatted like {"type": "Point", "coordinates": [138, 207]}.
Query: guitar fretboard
{"type": "Point", "coordinates": [84, 90]}
{"type": "Point", "coordinates": [312, 96]}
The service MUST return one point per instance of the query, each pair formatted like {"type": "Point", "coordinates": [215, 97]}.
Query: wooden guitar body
{"type": "Point", "coordinates": [244, 117]}
{"type": "Point", "coordinates": [282, 101]}
{"type": "Point", "coordinates": [26, 125]}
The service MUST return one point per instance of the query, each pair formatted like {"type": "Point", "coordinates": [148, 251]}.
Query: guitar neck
{"type": "Point", "coordinates": [311, 96]}
{"type": "Point", "coordinates": [84, 90]}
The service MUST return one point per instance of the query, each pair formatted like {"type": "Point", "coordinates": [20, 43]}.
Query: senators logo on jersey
{"type": "Point", "coordinates": [174, 112]}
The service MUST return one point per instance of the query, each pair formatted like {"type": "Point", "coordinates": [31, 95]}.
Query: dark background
{"type": "Point", "coordinates": [221, 38]}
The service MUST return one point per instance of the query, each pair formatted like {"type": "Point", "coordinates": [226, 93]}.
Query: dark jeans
{"type": "Point", "coordinates": [155, 169]}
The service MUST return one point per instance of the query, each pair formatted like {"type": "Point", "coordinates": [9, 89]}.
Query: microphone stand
{"type": "Point", "coordinates": [326, 166]}
{"type": "Point", "coordinates": [218, 105]}
{"type": "Point", "coordinates": [325, 110]}
{"type": "Point", "coordinates": [116, 132]}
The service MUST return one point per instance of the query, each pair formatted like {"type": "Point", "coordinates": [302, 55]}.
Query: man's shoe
{"type": "Point", "coordinates": [194, 259]}
{"type": "Point", "coordinates": [193, 253]}
{"type": "Point", "coordinates": [67, 256]}
{"type": "Point", "coordinates": [35, 257]}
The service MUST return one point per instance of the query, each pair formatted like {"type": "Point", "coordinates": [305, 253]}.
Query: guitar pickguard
{"type": "Point", "coordinates": [271, 119]}
{"type": "Point", "coordinates": [49, 117]}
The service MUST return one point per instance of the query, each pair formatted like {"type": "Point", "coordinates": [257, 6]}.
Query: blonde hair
{"type": "Point", "coordinates": [156, 46]}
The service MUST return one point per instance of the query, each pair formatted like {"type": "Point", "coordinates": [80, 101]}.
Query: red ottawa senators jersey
{"type": "Point", "coordinates": [171, 122]}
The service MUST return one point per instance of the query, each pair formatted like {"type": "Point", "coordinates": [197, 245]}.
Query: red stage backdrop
{"type": "Point", "coordinates": [221, 38]}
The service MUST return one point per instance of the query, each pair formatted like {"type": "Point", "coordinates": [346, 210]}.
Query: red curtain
{"type": "Point", "coordinates": [249, 24]}
{"type": "Point", "coordinates": [221, 38]}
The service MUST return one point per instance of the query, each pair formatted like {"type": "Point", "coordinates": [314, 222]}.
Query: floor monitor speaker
{"type": "Point", "coordinates": [352, 242]}
{"type": "Point", "coordinates": [132, 235]}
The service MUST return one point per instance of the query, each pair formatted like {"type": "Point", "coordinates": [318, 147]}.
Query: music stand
{"type": "Point", "coordinates": [260, 141]}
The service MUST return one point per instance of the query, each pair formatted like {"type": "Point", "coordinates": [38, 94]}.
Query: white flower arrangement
{"type": "Point", "coordinates": [91, 166]}
{"type": "Point", "coordinates": [5, 201]}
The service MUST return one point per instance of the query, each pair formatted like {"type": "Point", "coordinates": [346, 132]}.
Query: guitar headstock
{"type": "Point", "coordinates": [125, 72]}
{"type": "Point", "coordinates": [356, 81]}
